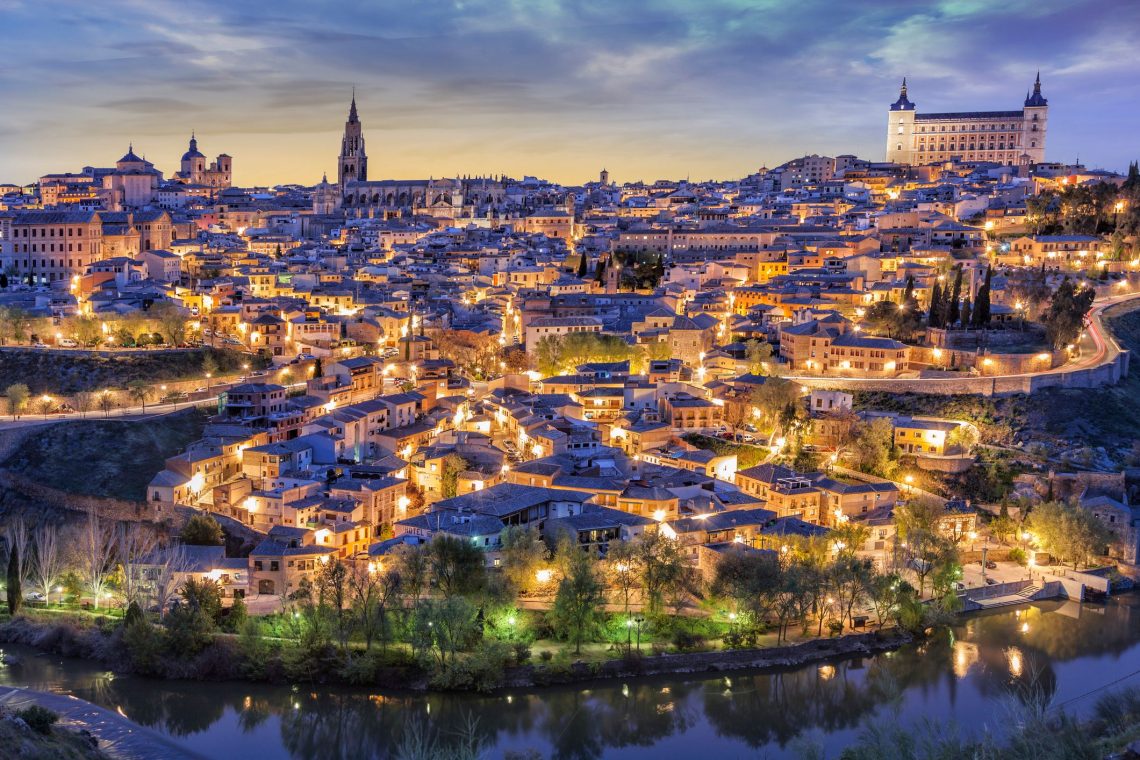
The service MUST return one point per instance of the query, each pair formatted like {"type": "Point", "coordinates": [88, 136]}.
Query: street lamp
{"type": "Point", "coordinates": [909, 480]}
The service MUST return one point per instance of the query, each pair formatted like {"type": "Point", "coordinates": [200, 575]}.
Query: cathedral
{"type": "Point", "coordinates": [459, 198]}
{"type": "Point", "coordinates": [1004, 137]}
{"type": "Point", "coordinates": [218, 174]}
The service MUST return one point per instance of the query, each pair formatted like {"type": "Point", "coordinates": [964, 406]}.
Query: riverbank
{"type": "Point", "coordinates": [84, 731]}
{"type": "Point", "coordinates": [225, 660]}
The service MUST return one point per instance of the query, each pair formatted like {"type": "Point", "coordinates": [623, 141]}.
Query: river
{"type": "Point", "coordinates": [971, 675]}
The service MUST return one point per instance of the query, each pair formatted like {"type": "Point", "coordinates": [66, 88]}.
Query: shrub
{"type": "Point", "coordinates": [546, 655]}
{"type": "Point", "coordinates": [687, 640]}
{"type": "Point", "coordinates": [144, 645]}
{"type": "Point", "coordinates": [39, 719]}
{"type": "Point", "coordinates": [522, 652]}
{"type": "Point", "coordinates": [233, 619]}
{"type": "Point", "coordinates": [1018, 555]}
{"type": "Point", "coordinates": [134, 614]}
{"type": "Point", "coordinates": [739, 640]}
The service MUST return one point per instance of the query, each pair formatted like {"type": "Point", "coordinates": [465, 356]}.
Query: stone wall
{"type": "Point", "coordinates": [111, 509]}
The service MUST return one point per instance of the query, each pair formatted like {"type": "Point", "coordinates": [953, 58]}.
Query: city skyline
{"type": "Point", "coordinates": [552, 89]}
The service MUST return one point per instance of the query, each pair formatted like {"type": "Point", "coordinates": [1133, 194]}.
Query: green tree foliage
{"type": "Point", "coordinates": [1065, 315]}
{"type": "Point", "coordinates": [16, 398]}
{"type": "Point", "coordinates": [664, 571]}
{"type": "Point", "coordinates": [927, 547]}
{"type": "Point", "coordinates": [563, 353]}
{"type": "Point", "coordinates": [445, 626]}
{"type": "Point", "coordinates": [1068, 532]}
{"type": "Point", "coordinates": [575, 613]}
{"type": "Point", "coordinates": [523, 554]}
{"type": "Point", "coordinates": [874, 448]}
{"type": "Point", "coordinates": [456, 566]}
{"type": "Point", "coordinates": [202, 530]}
{"type": "Point", "coordinates": [452, 465]}
{"type": "Point", "coordinates": [758, 354]}
{"type": "Point", "coordinates": [981, 313]}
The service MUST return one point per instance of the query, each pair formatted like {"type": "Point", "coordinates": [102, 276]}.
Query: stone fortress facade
{"type": "Point", "coordinates": [1005, 137]}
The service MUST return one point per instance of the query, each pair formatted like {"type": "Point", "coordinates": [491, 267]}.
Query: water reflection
{"type": "Point", "coordinates": [965, 673]}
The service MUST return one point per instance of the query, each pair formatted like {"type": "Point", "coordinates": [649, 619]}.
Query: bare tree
{"type": "Point", "coordinates": [19, 536]}
{"type": "Point", "coordinates": [133, 544]}
{"type": "Point", "coordinates": [83, 401]}
{"type": "Point", "coordinates": [96, 553]}
{"type": "Point", "coordinates": [47, 565]}
{"type": "Point", "coordinates": [164, 574]}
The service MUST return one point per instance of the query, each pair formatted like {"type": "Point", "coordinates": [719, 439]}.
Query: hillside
{"type": "Point", "coordinates": [110, 457]}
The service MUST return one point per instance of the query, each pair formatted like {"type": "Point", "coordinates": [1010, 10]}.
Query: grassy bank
{"type": "Point", "coordinates": [112, 458]}
{"type": "Point", "coordinates": [26, 734]}
{"type": "Point", "coordinates": [67, 373]}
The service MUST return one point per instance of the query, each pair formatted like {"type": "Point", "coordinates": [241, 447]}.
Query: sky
{"type": "Point", "coordinates": [554, 88]}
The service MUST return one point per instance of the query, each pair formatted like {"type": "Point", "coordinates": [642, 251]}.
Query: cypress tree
{"type": "Point", "coordinates": [908, 291]}
{"type": "Point", "coordinates": [582, 265]}
{"type": "Point", "coordinates": [15, 593]}
{"type": "Point", "coordinates": [982, 305]}
{"type": "Point", "coordinates": [955, 297]}
{"type": "Point", "coordinates": [935, 306]}
{"type": "Point", "coordinates": [967, 313]}
{"type": "Point", "coordinates": [600, 271]}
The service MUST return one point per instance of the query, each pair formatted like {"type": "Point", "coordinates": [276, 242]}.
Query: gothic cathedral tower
{"type": "Point", "coordinates": [353, 163]}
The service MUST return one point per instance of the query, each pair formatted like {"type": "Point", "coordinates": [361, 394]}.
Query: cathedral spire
{"type": "Point", "coordinates": [352, 108]}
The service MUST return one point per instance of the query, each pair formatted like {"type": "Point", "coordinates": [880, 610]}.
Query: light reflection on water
{"type": "Point", "coordinates": [971, 675]}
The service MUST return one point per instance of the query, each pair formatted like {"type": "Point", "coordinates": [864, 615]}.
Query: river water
{"type": "Point", "coordinates": [971, 676]}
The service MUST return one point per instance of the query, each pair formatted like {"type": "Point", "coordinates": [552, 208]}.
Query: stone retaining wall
{"type": "Point", "coordinates": [110, 509]}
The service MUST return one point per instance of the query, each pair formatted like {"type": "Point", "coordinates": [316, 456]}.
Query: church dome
{"type": "Point", "coordinates": [193, 152]}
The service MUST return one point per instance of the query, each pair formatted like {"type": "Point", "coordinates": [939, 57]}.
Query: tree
{"type": "Point", "coordinates": [772, 398]}
{"type": "Point", "coordinates": [935, 317]}
{"type": "Point", "coordinates": [210, 366]}
{"type": "Point", "coordinates": [622, 560]}
{"type": "Point", "coordinates": [1065, 316]}
{"type": "Point", "coordinates": [333, 590]}
{"type": "Point", "coordinates": [413, 563]}
{"type": "Point", "coordinates": [874, 447]}
{"type": "Point", "coordinates": [165, 568]}
{"type": "Point", "coordinates": [523, 554]}
{"type": "Point", "coordinates": [579, 595]}
{"type": "Point", "coordinates": [886, 592]}
{"type": "Point", "coordinates": [452, 465]}
{"type": "Point", "coordinates": [15, 591]}
{"type": "Point", "coordinates": [17, 398]}
{"type": "Point", "coordinates": [173, 322]}
{"type": "Point", "coordinates": [47, 565]}
{"type": "Point", "coordinates": [582, 263]}
{"type": "Point", "coordinates": [133, 544]}
{"type": "Point", "coordinates": [662, 567]}
{"type": "Point", "coordinates": [600, 272]}
{"type": "Point", "coordinates": [1067, 531]}
{"type": "Point", "coordinates": [446, 625]}
{"type": "Point", "coordinates": [981, 315]}
{"type": "Point", "coordinates": [758, 354]}
{"type": "Point", "coordinates": [106, 401]}
{"type": "Point", "coordinates": [548, 355]}
{"type": "Point", "coordinates": [139, 391]}
{"type": "Point", "coordinates": [918, 524]}
{"type": "Point", "coordinates": [456, 565]}
{"type": "Point", "coordinates": [96, 554]}
{"type": "Point", "coordinates": [954, 307]}
{"type": "Point", "coordinates": [83, 401]}
{"type": "Point", "coordinates": [750, 579]}
{"type": "Point", "coordinates": [202, 530]}
{"type": "Point", "coordinates": [20, 537]}
{"type": "Point", "coordinates": [374, 590]}
{"type": "Point", "coordinates": [962, 439]}
{"type": "Point", "coordinates": [849, 579]}
{"type": "Point", "coordinates": [14, 324]}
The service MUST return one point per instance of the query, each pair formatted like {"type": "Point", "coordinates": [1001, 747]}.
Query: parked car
{"type": "Point", "coordinates": [991, 565]}
{"type": "Point", "coordinates": [67, 343]}
{"type": "Point", "coordinates": [34, 596]}
{"type": "Point", "coordinates": [200, 390]}
{"type": "Point", "coordinates": [38, 344]}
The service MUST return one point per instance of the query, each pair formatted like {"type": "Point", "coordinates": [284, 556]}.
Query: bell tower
{"type": "Point", "coordinates": [352, 165]}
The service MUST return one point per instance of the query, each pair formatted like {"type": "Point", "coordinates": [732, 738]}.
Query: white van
{"type": "Point", "coordinates": [67, 343]}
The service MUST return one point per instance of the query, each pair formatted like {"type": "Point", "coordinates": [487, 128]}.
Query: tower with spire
{"type": "Point", "coordinates": [352, 165]}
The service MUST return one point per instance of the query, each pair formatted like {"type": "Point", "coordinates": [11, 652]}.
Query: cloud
{"type": "Point", "coordinates": [711, 87]}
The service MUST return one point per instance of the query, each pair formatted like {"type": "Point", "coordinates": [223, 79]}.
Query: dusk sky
{"type": "Point", "coordinates": [554, 88]}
